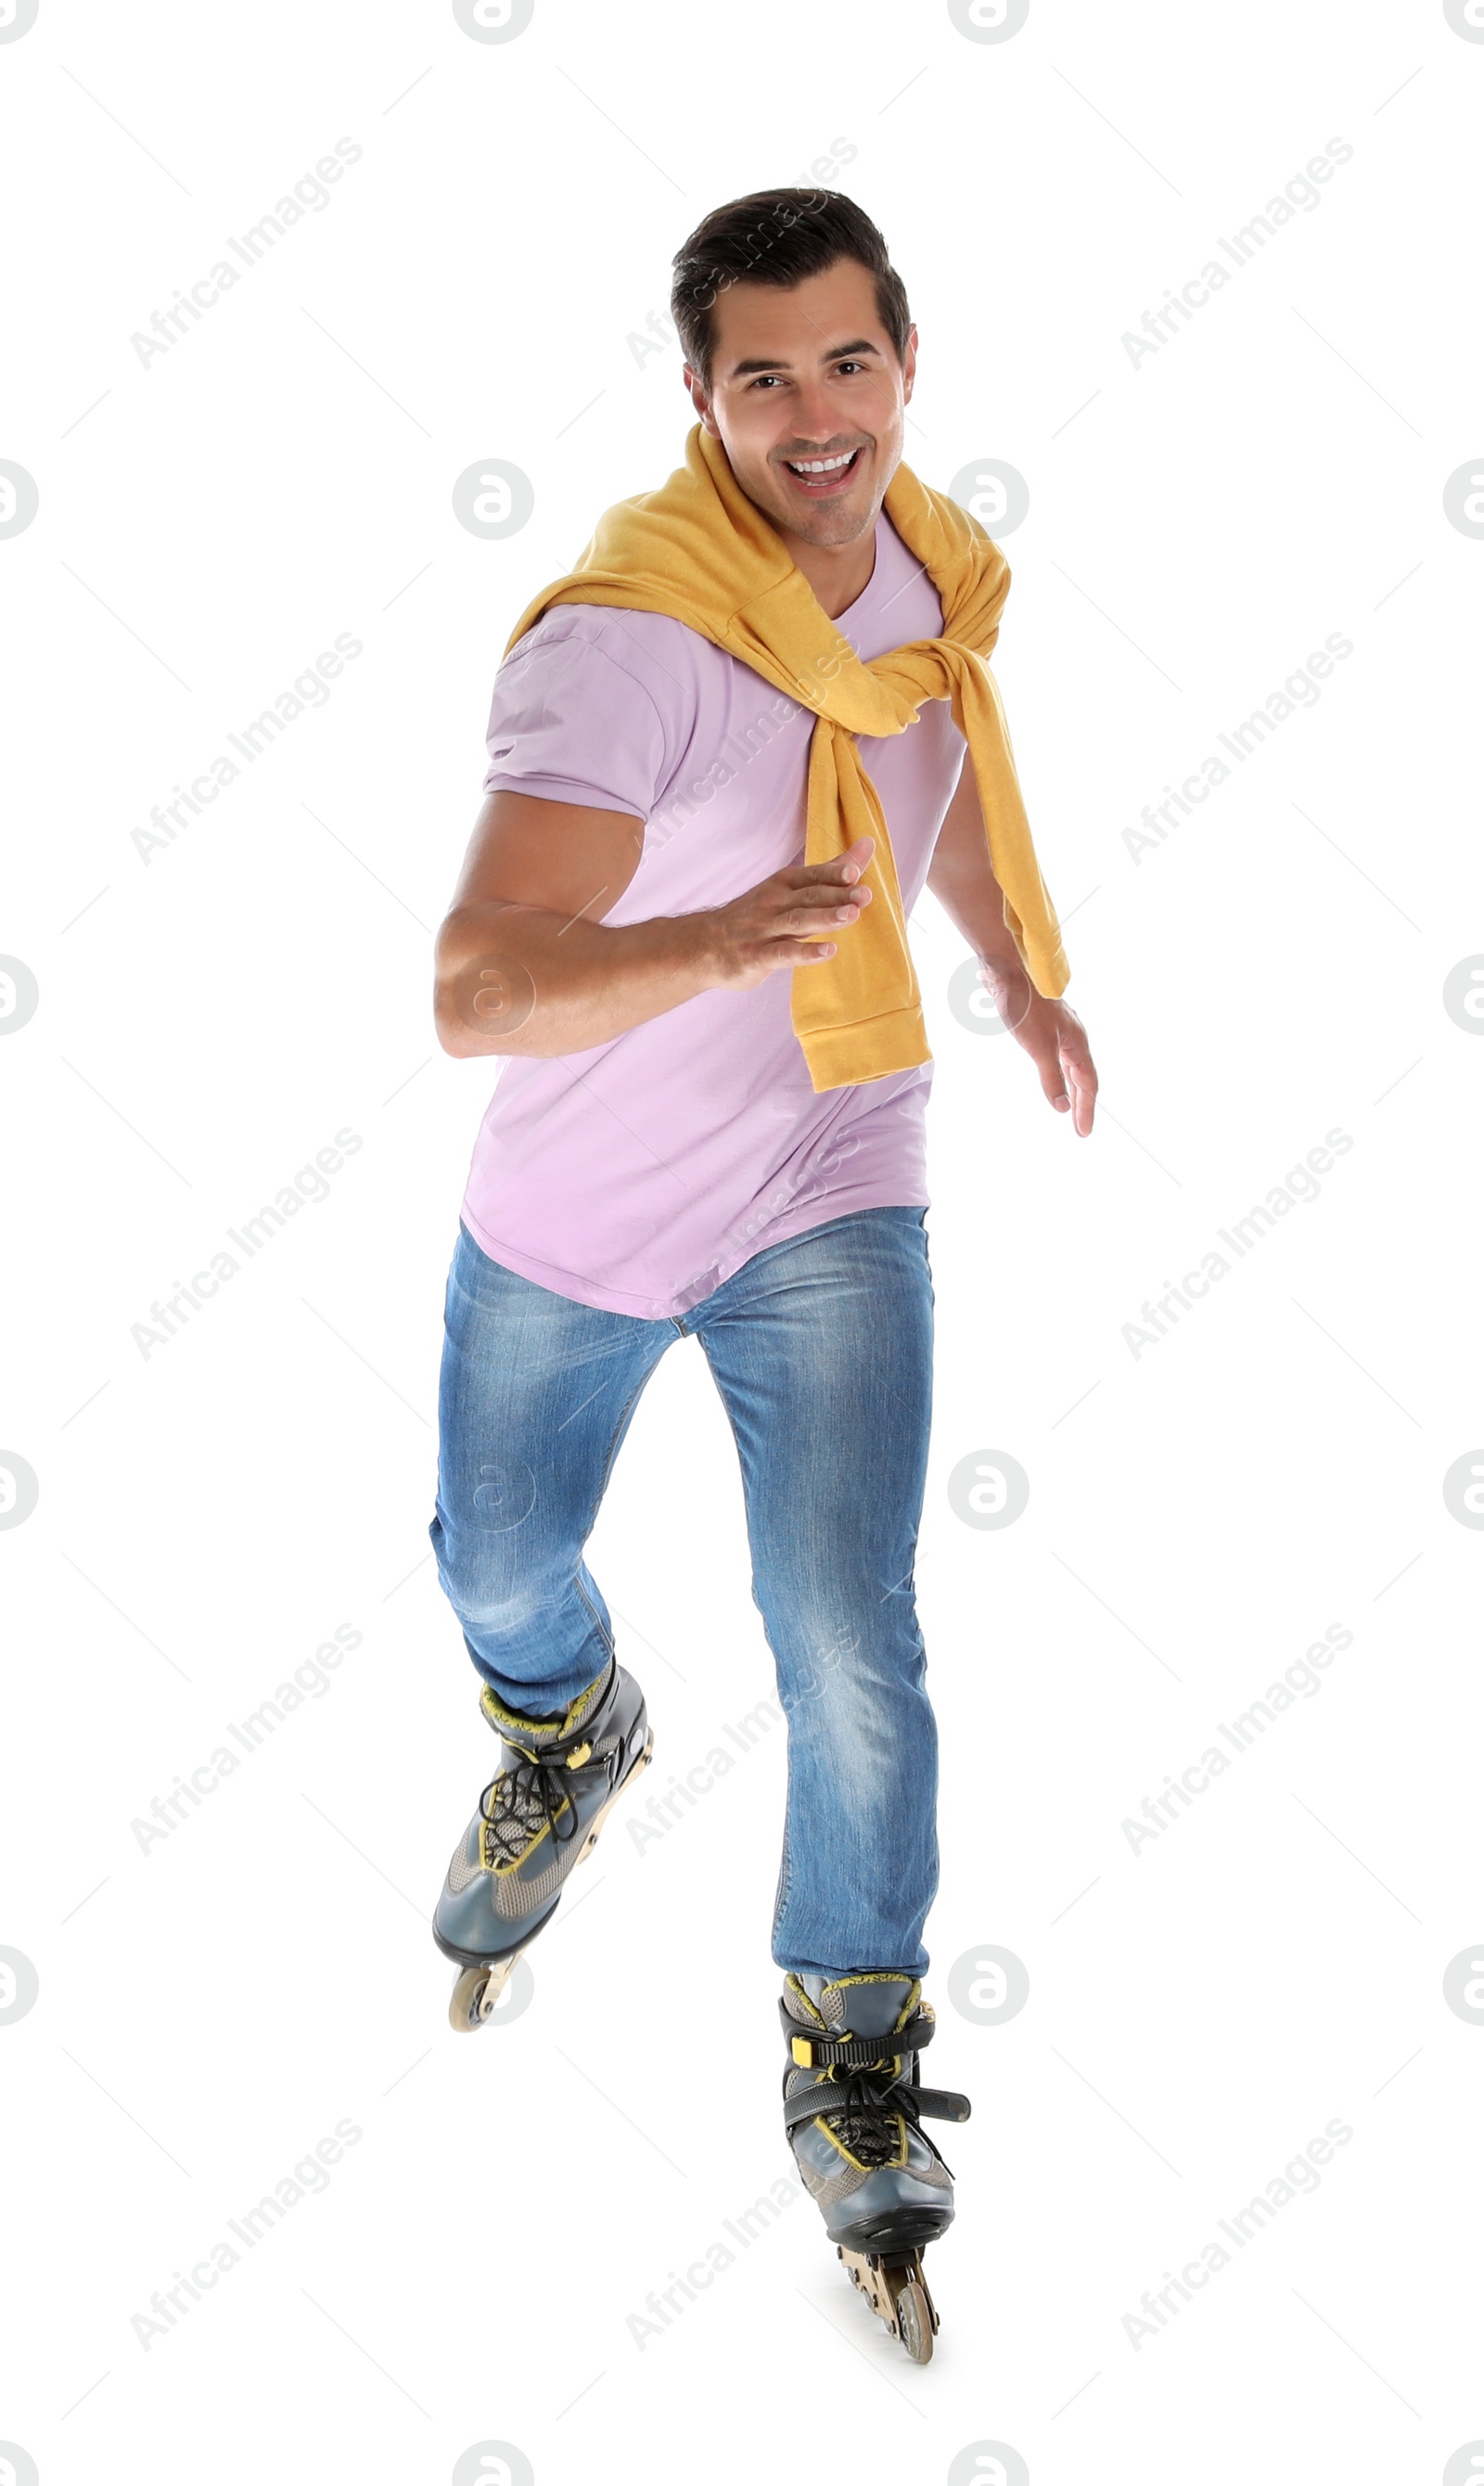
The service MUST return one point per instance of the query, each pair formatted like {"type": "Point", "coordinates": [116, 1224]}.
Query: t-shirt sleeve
{"type": "Point", "coordinates": [569, 722]}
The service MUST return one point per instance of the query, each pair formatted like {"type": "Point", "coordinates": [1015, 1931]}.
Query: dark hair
{"type": "Point", "coordinates": [778, 238]}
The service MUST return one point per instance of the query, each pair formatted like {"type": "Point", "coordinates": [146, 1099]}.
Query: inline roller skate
{"type": "Point", "coordinates": [853, 2107]}
{"type": "Point", "coordinates": [537, 1818]}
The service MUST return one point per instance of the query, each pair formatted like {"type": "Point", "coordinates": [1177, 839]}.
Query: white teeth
{"type": "Point", "coordinates": [819, 465]}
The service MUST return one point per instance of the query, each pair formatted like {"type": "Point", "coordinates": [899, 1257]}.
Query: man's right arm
{"type": "Point", "coordinates": [525, 964]}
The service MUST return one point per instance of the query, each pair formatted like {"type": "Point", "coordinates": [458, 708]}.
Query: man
{"type": "Point", "coordinates": [725, 754]}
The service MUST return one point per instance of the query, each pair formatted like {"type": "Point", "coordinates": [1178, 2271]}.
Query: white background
{"type": "Point", "coordinates": [1199, 1514]}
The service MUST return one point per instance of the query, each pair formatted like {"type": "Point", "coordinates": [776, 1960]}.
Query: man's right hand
{"type": "Point", "coordinates": [524, 963]}
{"type": "Point", "coordinates": [791, 920]}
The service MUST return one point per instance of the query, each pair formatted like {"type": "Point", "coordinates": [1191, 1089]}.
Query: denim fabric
{"type": "Point", "coordinates": [821, 1347]}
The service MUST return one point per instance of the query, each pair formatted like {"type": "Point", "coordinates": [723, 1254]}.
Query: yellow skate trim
{"type": "Point", "coordinates": [498, 1715]}
{"type": "Point", "coordinates": [496, 1712]}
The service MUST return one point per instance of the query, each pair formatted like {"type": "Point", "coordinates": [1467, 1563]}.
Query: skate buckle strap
{"type": "Point", "coordinates": [896, 2096]}
{"type": "Point", "coordinates": [943, 2106]}
{"type": "Point", "coordinates": [809, 2048]}
{"type": "Point", "coordinates": [552, 1754]}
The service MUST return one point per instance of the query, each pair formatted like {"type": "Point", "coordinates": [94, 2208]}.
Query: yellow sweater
{"type": "Point", "coordinates": [700, 550]}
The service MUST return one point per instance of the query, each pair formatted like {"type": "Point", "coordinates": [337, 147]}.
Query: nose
{"type": "Point", "coordinates": [814, 416]}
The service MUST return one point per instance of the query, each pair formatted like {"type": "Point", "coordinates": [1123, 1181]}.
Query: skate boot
{"type": "Point", "coordinates": [537, 1817]}
{"type": "Point", "coordinates": [853, 2108]}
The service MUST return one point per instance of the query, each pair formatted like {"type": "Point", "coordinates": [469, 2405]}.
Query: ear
{"type": "Point", "coordinates": [695, 388]}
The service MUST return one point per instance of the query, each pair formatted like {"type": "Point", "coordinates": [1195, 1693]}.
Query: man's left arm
{"type": "Point", "coordinates": [962, 880]}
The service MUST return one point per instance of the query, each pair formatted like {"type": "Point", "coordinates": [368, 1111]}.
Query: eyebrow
{"type": "Point", "coordinates": [775, 362]}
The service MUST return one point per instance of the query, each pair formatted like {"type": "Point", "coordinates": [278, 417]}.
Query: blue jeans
{"type": "Point", "coordinates": [821, 1347]}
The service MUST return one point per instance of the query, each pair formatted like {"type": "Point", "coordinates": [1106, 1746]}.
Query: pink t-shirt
{"type": "Point", "coordinates": [637, 1176]}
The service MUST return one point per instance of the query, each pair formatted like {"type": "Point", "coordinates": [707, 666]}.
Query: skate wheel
{"type": "Point", "coordinates": [913, 2322]}
{"type": "Point", "coordinates": [897, 2293]}
{"type": "Point", "coordinates": [475, 1994]}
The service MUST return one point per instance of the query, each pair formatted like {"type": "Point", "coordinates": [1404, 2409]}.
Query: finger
{"type": "Point", "coordinates": [1053, 1082]}
{"type": "Point", "coordinates": [1082, 1078]}
{"type": "Point", "coordinates": [822, 914]}
{"type": "Point", "coordinates": [1072, 1045]}
{"type": "Point", "coordinates": [847, 866]}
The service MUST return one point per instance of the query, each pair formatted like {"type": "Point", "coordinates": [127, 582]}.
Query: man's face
{"type": "Point", "coordinates": [799, 376]}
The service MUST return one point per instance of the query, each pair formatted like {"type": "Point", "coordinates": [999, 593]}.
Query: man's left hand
{"type": "Point", "coordinates": [1055, 1039]}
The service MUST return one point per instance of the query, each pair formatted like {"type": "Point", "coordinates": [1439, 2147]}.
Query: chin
{"type": "Point", "coordinates": [841, 526]}
{"type": "Point", "coordinates": [819, 522]}
{"type": "Point", "coordinates": [830, 538]}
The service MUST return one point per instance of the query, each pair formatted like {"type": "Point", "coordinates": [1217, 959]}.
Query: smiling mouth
{"type": "Point", "coordinates": [818, 477]}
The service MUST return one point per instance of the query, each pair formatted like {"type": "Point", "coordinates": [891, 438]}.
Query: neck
{"type": "Point", "coordinates": [837, 573]}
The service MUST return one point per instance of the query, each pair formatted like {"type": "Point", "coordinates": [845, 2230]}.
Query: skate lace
{"type": "Point", "coordinates": [536, 1792]}
{"type": "Point", "coordinates": [866, 2123]}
